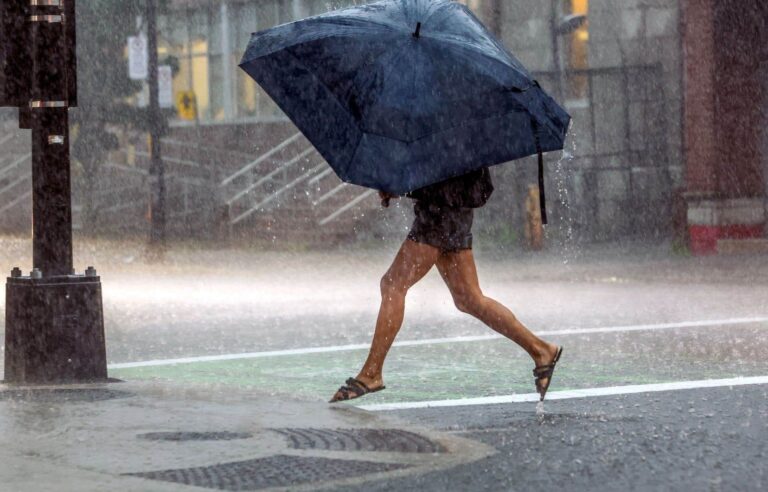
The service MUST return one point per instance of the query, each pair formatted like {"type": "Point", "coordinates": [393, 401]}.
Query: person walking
{"type": "Point", "coordinates": [441, 235]}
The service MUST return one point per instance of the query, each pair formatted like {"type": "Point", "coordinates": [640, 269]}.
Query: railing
{"type": "Point", "coordinates": [251, 165]}
{"type": "Point", "coordinates": [19, 199]}
{"type": "Point", "coordinates": [268, 176]}
{"type": "Point", "coordinates": [292, 177]}
{"type": "Point", "coordinates": [273, 196]}
{"type": "Point", "coordinates": [13, 165]}
{"type": "Point", "coordinates": [21, 178]}
{"type": "Point", "coordinates": [362, 196]}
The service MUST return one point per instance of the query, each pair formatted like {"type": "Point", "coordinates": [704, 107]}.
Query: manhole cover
{"type": "Point", "coordinates": [273, 471]}
{"type": "Point", "coordinates": [62, 395]}
{"type": "Point", "coordinates": [194, 436]}
{"type": "Point", "coordinates": [392, 440]}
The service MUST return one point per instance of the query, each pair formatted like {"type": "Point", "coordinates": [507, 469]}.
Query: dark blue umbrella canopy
{"type": "Point", "coordinates": [401, 94]}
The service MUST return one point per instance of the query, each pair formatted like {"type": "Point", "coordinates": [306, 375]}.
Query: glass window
{"type": "Point", "coordinates": [474, 5]}
{"type": "Point", "coordinates": [248, 94]}
{"type": "Point", "coordinates": [214, 30]}
{"type": "Point", "coordinates": [216, 88]}
{"type": "Point", "coordinates": [199, 72]}
{"type": "Point", "coordinates": [577, 51]}
{"type": "Point", "coordinates": [194, 37]}
{"type": "Point", "coordinates": [245, 20]}
{"type": "Point", "coordinates": [198, 24]}
{"type": "Point", "coordinates": [266, 14]}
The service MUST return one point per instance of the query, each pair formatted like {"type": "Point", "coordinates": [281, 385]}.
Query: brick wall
{"type": "Point", "coordinates": [725, 105]}
{"type": "Point", "coordinates": [723, 93]}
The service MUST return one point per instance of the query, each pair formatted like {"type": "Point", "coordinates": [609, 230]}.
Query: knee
{"type": "Point", "coordinates": [391, 288]}
{"type": "Point", "coordinates": [470, 303]}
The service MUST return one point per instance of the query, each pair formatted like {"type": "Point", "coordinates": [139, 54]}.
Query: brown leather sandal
{"type": "Point", "coordinates": [354, 388]}
{"type": "Point", "coordinates": [545, 372]}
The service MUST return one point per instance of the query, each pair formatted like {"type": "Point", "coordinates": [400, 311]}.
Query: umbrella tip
{"type": "Point", "coordinates": [418, 30]}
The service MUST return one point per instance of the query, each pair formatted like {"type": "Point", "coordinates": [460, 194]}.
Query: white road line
{"type": "Point", "coordinates": [435, 341]}
{"type": "Point", "coordinates": [565, 395]}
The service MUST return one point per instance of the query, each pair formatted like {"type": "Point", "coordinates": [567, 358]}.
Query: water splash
{"type": "Point", "coordinates": [563, 177]}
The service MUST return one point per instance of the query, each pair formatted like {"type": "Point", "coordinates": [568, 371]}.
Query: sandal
{"type": "Point", "coordinates": [545, 372]}
{"type": "Point", "coordinates": [354, 388]}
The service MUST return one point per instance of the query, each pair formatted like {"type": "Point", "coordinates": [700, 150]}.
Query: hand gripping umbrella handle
{"type": "Point", "coordinates": [542, 196]}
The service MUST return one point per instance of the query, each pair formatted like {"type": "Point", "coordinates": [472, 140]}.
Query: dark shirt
{"type": "Point", "coordinates": [471, 190]}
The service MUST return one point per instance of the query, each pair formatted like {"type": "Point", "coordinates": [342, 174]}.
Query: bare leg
{"type": "Point", "coordinates": [412, 262]}
{"type": "Point", "coordinates": [460, 274]}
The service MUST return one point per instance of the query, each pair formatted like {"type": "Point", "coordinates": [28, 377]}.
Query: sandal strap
{"type": "Point", "coordinates": [353, 386]}
{"type": "Point", "coordinates": [544, 371]}
{"type": "Point", "coordinates": [356, 383]}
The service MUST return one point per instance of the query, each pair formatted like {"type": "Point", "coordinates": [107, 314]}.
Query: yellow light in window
{"type": "Point", "coordinates": [473, 5]}
{"type": "Point", "coordinates": [200, 83]}
{"type": "Point", "coordinates": [200, 46]}
{"type": "Point", "coordinates": [580, 7]}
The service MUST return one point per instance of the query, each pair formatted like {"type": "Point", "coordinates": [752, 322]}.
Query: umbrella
{"type": "Point", "coordinates": [401, 94]}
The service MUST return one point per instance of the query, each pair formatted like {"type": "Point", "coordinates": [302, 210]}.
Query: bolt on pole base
{"type": "Point", "coordinates": [54, 329]}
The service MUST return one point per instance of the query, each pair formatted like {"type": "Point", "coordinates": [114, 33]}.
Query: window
{"type": "Point", "coordinates": [577, 50]}
{"type": "Point", "coordinates": [474, 5]}
{"type": "Point", "coordinates": [208, 62]}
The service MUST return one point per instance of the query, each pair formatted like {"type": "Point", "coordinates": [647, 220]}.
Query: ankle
{"type": "Point", "coordinates": [544, 353]}
{"type": "Point", "coordinates": [370, 380]}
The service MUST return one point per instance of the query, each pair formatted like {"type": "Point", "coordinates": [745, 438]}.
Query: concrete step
{"type": "Point", "coordinates": [742, 246]}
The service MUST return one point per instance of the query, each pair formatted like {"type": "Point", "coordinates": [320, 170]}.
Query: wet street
{"type": "Point", "coordinates": [663, 380]}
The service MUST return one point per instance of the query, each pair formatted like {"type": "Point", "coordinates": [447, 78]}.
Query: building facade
{"type": "Point", "coordinates": [617, 70]}
{"type": "Point", "coordinates": [669, 100]}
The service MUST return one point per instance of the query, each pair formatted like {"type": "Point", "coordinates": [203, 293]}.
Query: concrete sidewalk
{"type": "Point", "coordinates": [148, 436]}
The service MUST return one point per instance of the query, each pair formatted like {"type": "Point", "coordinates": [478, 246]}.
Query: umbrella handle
{"type": "Point", "coordinates": [542, 196]}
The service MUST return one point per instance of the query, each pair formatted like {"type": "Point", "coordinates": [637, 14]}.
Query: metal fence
{"type": "Point", "coordinates": [613, 182]}
{"type": "Point", "coordinates": [614, 179]}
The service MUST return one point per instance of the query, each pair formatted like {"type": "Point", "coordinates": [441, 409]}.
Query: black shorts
{"type": "Point", "coordinates": [446, 228]}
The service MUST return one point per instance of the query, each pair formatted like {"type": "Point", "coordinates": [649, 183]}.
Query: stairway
{"type": "Point", "coordinates": [286, 193]}
{"type": "Point", "coordinates": [290, 194]}
{"type": "Point", "coordinates": [15, 178]}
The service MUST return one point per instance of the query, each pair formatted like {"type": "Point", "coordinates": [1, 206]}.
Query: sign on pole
{"type": "Point", "coordinates": [186, 105]}
{"type": "Point", "coordinates": [165, 86]}
{"type": "Point", "coordinates": [138, 57]}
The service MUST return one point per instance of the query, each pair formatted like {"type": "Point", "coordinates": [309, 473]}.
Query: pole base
{"type": "Point", "coordinates": [54, 330]}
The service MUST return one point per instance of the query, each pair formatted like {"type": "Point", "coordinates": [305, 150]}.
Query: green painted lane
{"type": "Point", "coordinates": [465, 370]}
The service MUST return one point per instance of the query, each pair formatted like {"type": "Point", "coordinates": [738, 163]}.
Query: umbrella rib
{"type": "Point", "coordinates": [520, 107]}
{"type": "Point", "coordinates": [303, 27]}
{"type": "Point", "coordinates": [462, 124]}
{"type": "Point", "coordinates": [389, 69]}
{"type": "Point", "coordinates": [456, 45]}
{"type": "Point", "coordinates": [336, 99]}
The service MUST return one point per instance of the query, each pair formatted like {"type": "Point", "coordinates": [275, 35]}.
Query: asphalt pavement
{"type": "Point", "coordinates": [710, 439]}
{"type": "Point", "coordinates": [662, 385]}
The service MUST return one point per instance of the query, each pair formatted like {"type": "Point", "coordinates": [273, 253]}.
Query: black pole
{"type": "Point", "coordinates": [157, 167]}
{"type": "Point", "coordinates": [54, 327]}
{"type": "Point", "coordinates": [555, 39]}
{"type": "Point", "coordinates": [52, 204]}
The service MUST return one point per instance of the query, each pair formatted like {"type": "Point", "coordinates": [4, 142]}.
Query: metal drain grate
{"type": "Point", "coordinates": [390, 440]}
{"type": "Point", "coordinates": [194, 436]}
{"type": "Point", "coordinates": [273, 471]}
{"type": "Point", "coordinates": [62, 395]}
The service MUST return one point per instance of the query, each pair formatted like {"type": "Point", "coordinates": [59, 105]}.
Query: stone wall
{"type": "Point", "coordinates": [626, 138]}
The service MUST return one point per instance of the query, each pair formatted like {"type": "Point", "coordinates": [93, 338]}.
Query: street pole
{"type": "Point", "coordinates": [495, 19]}
{"type": "Point", "coordinates": [556, 61]}
{"type": "Point", "coordinates": [54, 324]}
{"type": "Point", "coordinates": [157, 166]}
{"type": "Point", "coordinates": [49, 121]}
